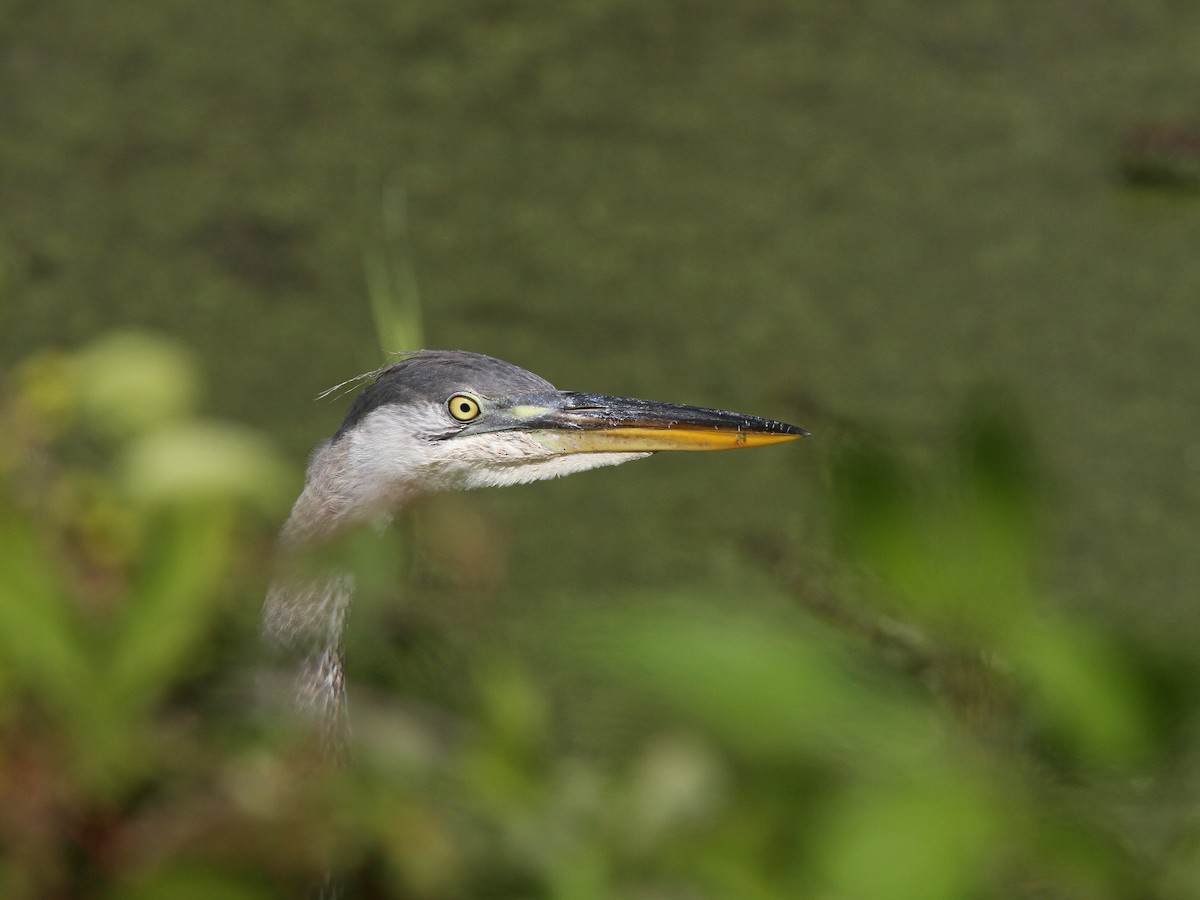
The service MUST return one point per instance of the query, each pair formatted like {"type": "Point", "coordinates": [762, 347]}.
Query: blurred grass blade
{"type": "Point", "coordinates": [391, 279]}
{"type": "Point", "coordinates": [39, 643]}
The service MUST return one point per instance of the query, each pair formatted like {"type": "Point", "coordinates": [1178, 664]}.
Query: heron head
{"type": "Point", "coordinates": [451, 420]}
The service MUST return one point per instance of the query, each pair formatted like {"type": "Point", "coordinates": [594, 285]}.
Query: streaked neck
{"type": "Point", "coordinates": [307, 603]}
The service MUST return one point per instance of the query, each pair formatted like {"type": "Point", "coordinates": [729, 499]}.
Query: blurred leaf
{"type": "Point", "coordinates": [931, 834]}
{"type": "Point", "coordinates": [171, 606]}
{"type": "Point", "coordinates": [768, 691]}
{"type": "Point", "coordinates": [1083, 689]}
{"type": "Point", "coordinates": [198, 464]}
{"type": "Point", "coordinates": [39, 644]}
{"type": "Point", "coordinates": [132, 382]}
{"type": "Point", "coordinates": [954, 553]}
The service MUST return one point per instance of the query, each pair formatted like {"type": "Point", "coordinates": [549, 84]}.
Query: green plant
{"type": "Point", "coordinates": [968, 738]}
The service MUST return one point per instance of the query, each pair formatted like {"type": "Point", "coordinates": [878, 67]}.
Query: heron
{"type": "Point", "coordinates": [439, 420]}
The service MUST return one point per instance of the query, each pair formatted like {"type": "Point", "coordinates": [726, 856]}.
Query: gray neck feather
{"type": "Point", "coordinates": [306, 605]}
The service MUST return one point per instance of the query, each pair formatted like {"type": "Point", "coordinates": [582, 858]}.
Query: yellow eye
{"type": "Point", "coordinates": [463, 408]}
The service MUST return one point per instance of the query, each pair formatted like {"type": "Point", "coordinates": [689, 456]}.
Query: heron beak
{"type": "Point", "coordinates": [569, 422]}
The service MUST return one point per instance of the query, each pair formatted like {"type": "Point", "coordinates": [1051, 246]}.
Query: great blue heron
{"type": "Point", "coordinates": [450, 420]}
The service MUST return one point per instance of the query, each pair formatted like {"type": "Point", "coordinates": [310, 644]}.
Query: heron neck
{"type": "Point", "coordinates": [329, 503]}
{"type": "Point", "coordinates": [306, 605]}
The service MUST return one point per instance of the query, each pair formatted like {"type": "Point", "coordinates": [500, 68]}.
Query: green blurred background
{"type": "Point", "coordinates": [853, 217]}
{"type": "Point", "coordinates": [805, 210]}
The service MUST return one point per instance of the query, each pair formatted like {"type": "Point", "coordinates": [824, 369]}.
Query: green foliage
{"type": "Point", "coordinates": [110, 568]}
{"type": "Point", "coordinates": [985, 742]}
{"type": "Point", "coordinates": [769, 692]}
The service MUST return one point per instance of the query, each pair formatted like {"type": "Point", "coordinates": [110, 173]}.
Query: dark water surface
{"type": "Point", "coordinates": [824, 213]}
